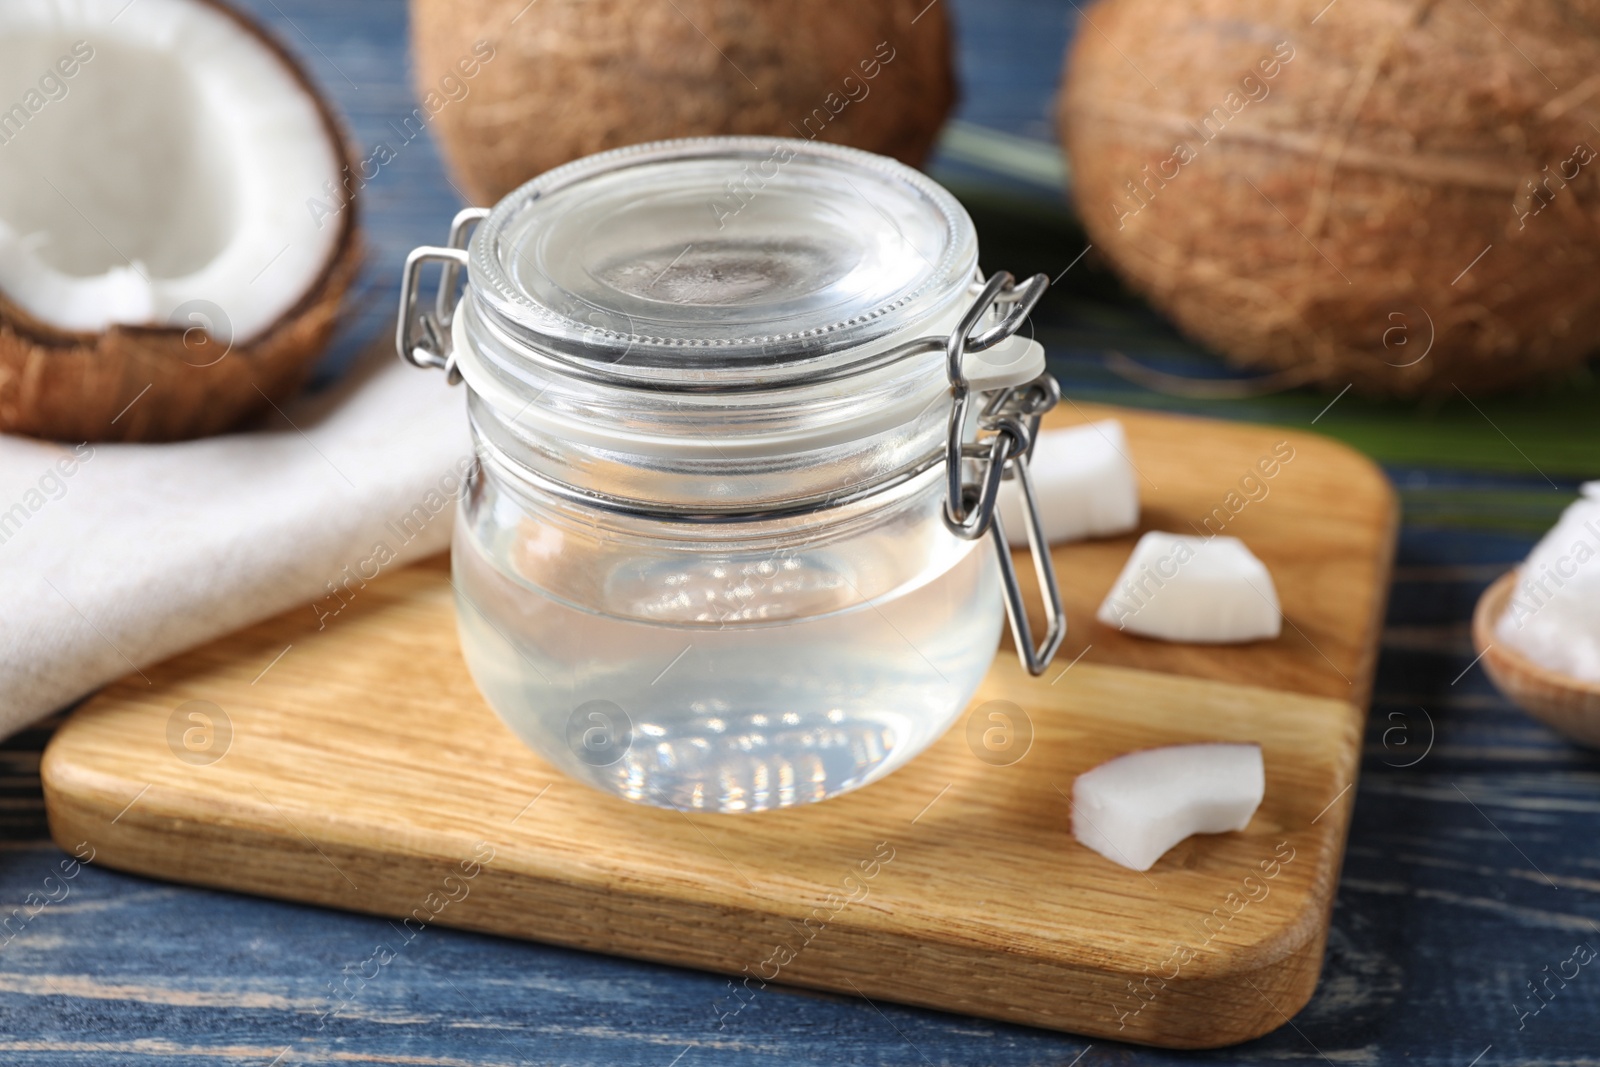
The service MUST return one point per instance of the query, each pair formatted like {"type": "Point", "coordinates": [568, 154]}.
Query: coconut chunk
{"type": "Point", "coordinates": [1132, 809]}
{"type": "Point", "coordinates": [1085, 483]}
{"type": "Point", "coordinates": [1203, 589]}
{"type": "Point", "coordinates": [1553, 618]}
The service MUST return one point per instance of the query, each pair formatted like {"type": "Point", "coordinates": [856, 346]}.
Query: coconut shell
{"type": "Point", "coordinates": [1358, 216]}
{"type": "Point", "coordinates": [568, 78]}
{"type": "Point", "coordinates": [72, 386]}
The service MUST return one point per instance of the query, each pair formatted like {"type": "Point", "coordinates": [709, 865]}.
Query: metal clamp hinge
{"type": "Point", "coordinates": [423, 338]}
{"type": "Point", "coordinates": [991, 438]}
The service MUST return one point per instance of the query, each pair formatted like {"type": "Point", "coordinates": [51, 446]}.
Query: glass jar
{"type": "Point", "coordinates": [742, 408]}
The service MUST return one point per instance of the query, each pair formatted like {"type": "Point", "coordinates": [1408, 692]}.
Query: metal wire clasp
{"type": "Point", "coordinates": [423, 340]}
{"type": "Point", "coordinates": [994, 423]}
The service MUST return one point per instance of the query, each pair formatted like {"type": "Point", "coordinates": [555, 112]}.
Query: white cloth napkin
{"type": "Point", "coordinates": [115, 557]}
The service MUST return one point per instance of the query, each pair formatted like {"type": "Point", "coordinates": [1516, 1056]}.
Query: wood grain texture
{"type": "Point", "coordinates": [365, 772]}
{"type": "Point", "coordinates": [1324, 524]}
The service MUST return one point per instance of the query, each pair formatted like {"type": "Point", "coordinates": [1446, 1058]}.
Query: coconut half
{"type": "Point", "coordinates": [175, 236]}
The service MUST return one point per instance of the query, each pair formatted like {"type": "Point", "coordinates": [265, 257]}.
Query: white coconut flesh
{"type": "Point", "coordinates": [1209, 590]}
{"type": "Point", "coordinates": [1553, 616]}
{"type": "Point", "coordinates": [170, 180]}
{"type": "Point", "coordinates": [1134, 808]}
{"type": "Point", "coordinates": [1084, 482]}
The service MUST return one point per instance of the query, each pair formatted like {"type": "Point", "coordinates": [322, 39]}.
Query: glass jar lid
{"type": "Point", "coordinates": [733, 254]}
{"type": "Point", "coordinates": [727, 332]}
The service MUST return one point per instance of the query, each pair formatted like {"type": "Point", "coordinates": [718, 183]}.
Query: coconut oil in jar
{"type": "Point", "coordinates": [713, 556]}
{"type": "Point", "coordinates": [734, 677]}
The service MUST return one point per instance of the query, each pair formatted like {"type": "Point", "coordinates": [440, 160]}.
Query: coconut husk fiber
{"type": "Point", "coordinates": [1403, 204]}
{"type": "Point", "coordinates": [567, 78]}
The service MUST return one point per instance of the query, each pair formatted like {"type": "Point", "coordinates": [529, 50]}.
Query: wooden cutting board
{"type": "Point", "coordinates": [357, 767]}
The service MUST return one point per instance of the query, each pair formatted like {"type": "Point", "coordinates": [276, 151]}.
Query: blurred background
{"type": "Point", "coordinates": [1000, 153]}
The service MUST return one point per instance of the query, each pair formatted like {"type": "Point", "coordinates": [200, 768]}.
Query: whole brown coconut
{"type": "Point", "coordinates": [1398, 195]}
{"type": "Point", "coordinates": [512, 89]}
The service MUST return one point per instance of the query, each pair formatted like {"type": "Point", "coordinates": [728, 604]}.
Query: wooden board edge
{"type": "Point", "coordinates": [133, 830]}
{"type": "Point", "coordinates": [1368, 664]}
{"type": "Point", "coordinates": [1357, 471]}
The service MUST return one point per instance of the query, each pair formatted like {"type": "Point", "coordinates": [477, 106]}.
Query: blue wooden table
{"type": "Point", "coordinates": [1473, 866]}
